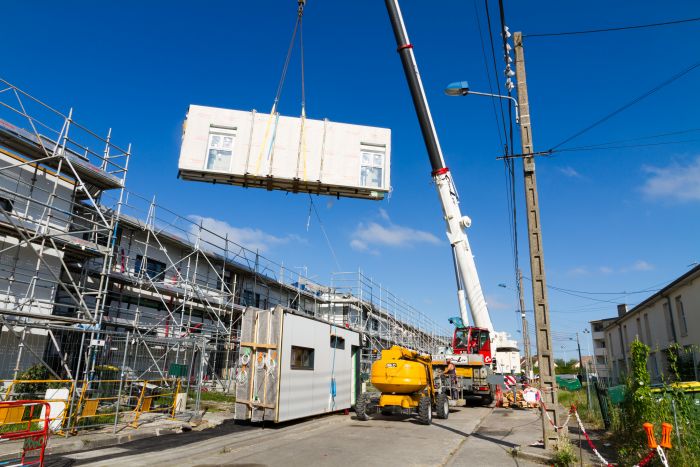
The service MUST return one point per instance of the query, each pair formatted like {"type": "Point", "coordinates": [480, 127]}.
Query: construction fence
{"type": "Point", "coordinates": [95, 379]}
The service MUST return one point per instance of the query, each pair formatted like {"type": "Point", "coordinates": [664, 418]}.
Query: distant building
{"type": "Point", "coordinates": [670, 316]}
{"type": "Point", "coordinates": [600, 361]}
{"type": "Point", "coordinates": [587, 361]}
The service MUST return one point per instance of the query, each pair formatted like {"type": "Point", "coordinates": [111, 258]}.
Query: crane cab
{"type": "Point", "coordinates": [472, 340]}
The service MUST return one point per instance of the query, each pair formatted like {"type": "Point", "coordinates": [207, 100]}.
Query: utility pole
{"type": "Point", "coordinates": [580, 360]}
{"type": "Point", "coordinates": [545, 354]}
{"type": "Point", "coordinates": [580, 366]}
{"type": "Point", "coordinates": [525, 331]}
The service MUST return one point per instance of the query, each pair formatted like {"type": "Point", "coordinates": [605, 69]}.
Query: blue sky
{"type": "Point", "coordinates": [626, 219]}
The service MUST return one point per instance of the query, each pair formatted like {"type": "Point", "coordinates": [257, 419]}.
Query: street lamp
{"type": "Point", "coordinates": [461, 88]}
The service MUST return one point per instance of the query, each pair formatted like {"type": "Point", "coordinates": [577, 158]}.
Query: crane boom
{"type": "Point", "coordinates": [468, 285]}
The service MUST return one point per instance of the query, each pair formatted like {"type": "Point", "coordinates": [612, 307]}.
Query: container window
{"type": "Point", "coordinates": [220, 151]}
{"type": "Point", "coordinates": [371, 169]}
{"type": "Point", "coordinates": [337, 342]}
{"type": "Point", "coordinates": [302, 358]}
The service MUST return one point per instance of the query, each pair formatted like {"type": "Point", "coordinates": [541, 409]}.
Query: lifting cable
{"type": "Point", "coordinates": [274, 115]}
{"type": "Point", "coordinates": [302, 133]}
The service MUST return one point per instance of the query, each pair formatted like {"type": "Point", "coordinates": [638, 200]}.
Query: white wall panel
{"type": "Point", "coordinates": [255, 149]}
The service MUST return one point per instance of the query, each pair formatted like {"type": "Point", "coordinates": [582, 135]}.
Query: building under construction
{"type": "Point", "coordinates": [95, 278]}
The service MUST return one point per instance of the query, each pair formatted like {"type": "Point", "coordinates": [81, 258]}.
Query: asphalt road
{"type": "Point", "coordinates": [334, 440]}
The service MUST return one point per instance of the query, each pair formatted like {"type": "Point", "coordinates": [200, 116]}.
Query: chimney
{"type": "Point", "coordinates": [621, 310]}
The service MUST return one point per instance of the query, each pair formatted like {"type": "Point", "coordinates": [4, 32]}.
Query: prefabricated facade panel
{"type": "Point", "coordinates": [307, 391]}
{"type": "Point", "coordinates": [271, 151]}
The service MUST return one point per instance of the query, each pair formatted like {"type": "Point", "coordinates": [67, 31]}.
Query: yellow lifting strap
{"type": "Point", "coordinates": [274, 115]}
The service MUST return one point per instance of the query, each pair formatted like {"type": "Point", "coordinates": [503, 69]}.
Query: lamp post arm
{"type": "Point", "coordinates": [488, 94]}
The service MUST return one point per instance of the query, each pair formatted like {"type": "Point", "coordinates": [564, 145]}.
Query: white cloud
{"type": "Point", "coordinates": [637, 266]}
{"type": "Point", "coordinates": [494, 303]}
{"type": "Point", "coordinates": [372, 234]}
{"type": "Point", "coordinates": [570, 172]}
{"type": "Point", "coordinates": [675, 182]}
{"type": "Point", "coordinates": [384, 215]}
{"type": "Point", "coordinates": [253, 239]}
{"type": "Point", "coordinates": [577, 271]}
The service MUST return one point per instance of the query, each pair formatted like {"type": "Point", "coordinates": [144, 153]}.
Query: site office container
{"type": "Point", "coordinates": [293, 366]}
{"type": "Point", "coordinates": [275, 152]}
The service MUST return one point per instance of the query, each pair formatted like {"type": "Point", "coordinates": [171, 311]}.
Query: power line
{"type": "Point", "coordinates": [495, 71]}
{"type": "Point", "coordinates": [488, 73]}
{"type": "Point", "coordinates": [629, 104]}
{"type": "Point", "coordinates": [620, 28]}
{"type": "Point", "coordinates": [625, 146]}
{"type": "Point", "coordinates": [638, 138]}
{"type": "Point", "coordinates": [605, 293]}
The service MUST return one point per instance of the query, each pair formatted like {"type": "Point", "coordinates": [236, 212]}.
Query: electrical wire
{"type": "Point", "coordinates": [620, 28]}
{"type": "Point", "coordinates": [488, 74]}
{"type": "Point", "coordinates": [624, 146]}
{"type": "Point", "coordinates": [639, 138]}
{"type": "Point", "coordinates": [628, 104]}
{"type": "Point", "coordinates": [495, 71]}
{"type": "Point", "coordinates": [509, 163]}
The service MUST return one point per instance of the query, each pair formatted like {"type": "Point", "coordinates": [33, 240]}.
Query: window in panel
{"type": "Point", "coordinates": [220, 150]}
{"type": "Point", "coordinates": [302, 358]}
{"type": "Point", "coordinates": [371, 169]}
{"type": "Point", "coordinates": [337, 342]}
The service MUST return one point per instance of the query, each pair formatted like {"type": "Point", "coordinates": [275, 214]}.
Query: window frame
{"type": "Point", "coordinates": [7, 204]}
{"type": "Point", "coordinates": [221, 132]}
{"type": "Point", "coordinates": [680, 312]}
{"type": "Point", "coordinates": [153, 275]}
{"type": "Point", "coordinates": [647, 329]}
{"type": "Point", "coordinates": [337, 342]}
{"type": "Point", "coordinates": [372, 152]}
{"type": "Point", "coordinates": [306, 366]}
{"type": "Point", "coordinates": [668, 317]}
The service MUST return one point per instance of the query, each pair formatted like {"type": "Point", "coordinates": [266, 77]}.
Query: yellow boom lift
{"type": "Point", "coordinates": [407, 384]}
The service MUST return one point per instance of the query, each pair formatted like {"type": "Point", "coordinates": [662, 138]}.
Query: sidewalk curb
{"type": "Point", "coordinates": [88, 444]}
{"type": "Point", "coordinates": [532, 456]}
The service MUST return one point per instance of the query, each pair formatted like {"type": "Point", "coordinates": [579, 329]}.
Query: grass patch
{"type": "Point", "coordinates": [564, 455]}
{"type": "Point", "coordinates": [590, 416]}
{"type": "Point", "coordinates": [96, 421]}
{"type": "Point", "coordinates": [21, 426]}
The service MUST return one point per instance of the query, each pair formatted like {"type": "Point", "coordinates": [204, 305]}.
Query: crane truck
{"type": "Point", "coordinates": [409, 381]}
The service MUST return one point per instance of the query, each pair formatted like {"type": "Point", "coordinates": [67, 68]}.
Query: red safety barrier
{"type": "Point", "coordinates": [32, 429]}
{"type": "Point", "coordinates": [647, 459]}
{"type": "Point", "coordinates": [499, 396]}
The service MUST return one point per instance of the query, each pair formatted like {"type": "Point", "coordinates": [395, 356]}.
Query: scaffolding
{"type": "Point", "coordinates": [96, 279]}
{"type": "Point", "coordinates": [359, 302]}
{"type": "Point", "coordinates": [53, 172]}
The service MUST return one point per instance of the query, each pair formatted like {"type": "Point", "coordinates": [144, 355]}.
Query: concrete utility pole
{"type": "Point", "coordinates": [525, 331]}
{"type": "Point", "coordinates": [545, 354]}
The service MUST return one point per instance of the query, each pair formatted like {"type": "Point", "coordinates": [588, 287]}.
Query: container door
{"type": "Point", "coordinates": [355, 384]}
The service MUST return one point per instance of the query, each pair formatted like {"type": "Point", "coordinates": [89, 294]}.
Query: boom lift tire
{"type": "Point", "coordinates": [443, 406]}
{"type": "Point", "coordinates": [425, 410]}
{"type": "Point", "coordinates": [361, 407]}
